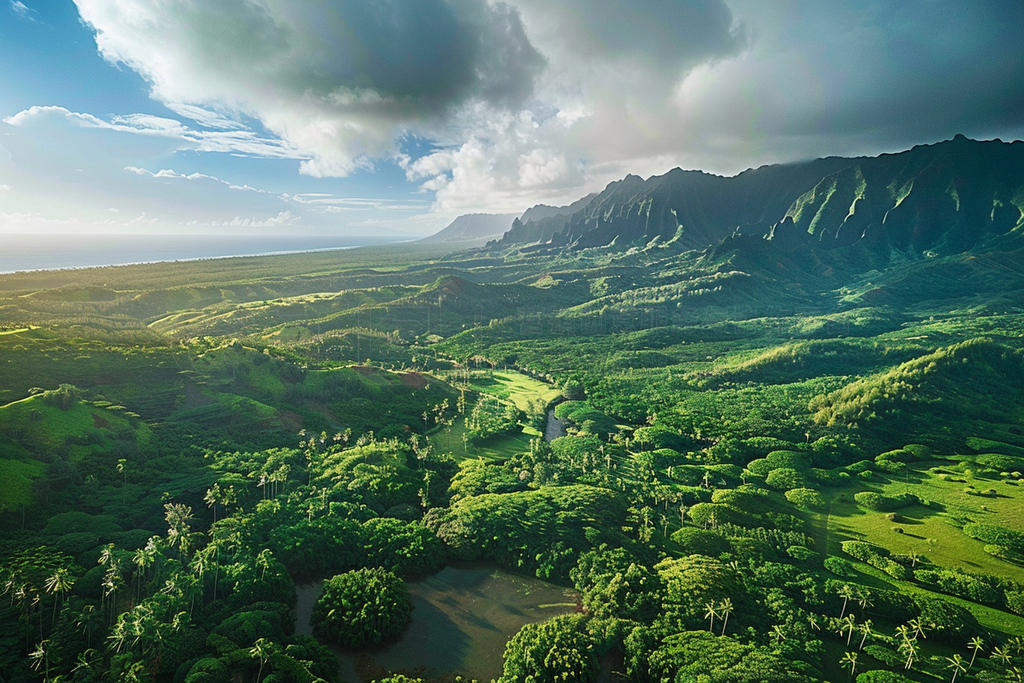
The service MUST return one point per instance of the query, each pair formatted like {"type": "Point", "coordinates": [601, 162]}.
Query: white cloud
{"type": "Point", "coordinates": [339, 80]}
{"type": "Point", "coordinates": [177, 135]}
{"type": "Point", "coordinates": [22, 10]}
{"type": "Point", "coordinates": [519, 96]}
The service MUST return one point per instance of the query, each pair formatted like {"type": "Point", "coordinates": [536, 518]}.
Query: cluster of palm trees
{"type": "Point", "coordinates": [718, 610]}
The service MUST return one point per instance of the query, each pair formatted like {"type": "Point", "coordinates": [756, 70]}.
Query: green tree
{"type": "Point", "coordinates": [362, 607]}
{"type": "Point", "coordinates": [556, 651]}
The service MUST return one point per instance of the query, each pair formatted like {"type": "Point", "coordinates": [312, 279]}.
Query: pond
{"type": "Point", "coordinates": [462, 617]}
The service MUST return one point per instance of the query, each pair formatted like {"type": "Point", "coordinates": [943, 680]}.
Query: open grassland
{"type": "Point", "coordinates": [497, 448]}
{"type": "Point", "coordinates": [931, 531]}
{"type": "Point", "coordinates": [525, 392]}
{"type": "Point", "coordinates": [16, 477]}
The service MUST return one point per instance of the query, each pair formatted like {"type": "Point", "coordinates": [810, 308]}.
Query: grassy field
{"type": "Point", "coordinates": [16, 482]}
{"type": "Point", "coordinates": [929, 530]}
{"type": "Point", "coordinates": [495, 448]}
{"type": "Point", "coordinates": [523, 391]}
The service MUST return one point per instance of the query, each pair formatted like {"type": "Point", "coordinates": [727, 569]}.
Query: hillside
{"type": "Point", "coordinates": [471, 229]}
{"type": "Point", "coordinates": [941, 198]}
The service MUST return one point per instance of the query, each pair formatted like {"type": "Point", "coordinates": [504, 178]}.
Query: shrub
{"type": "Point", "coordinates": [839, 566]}
{"type": "Point", "coordinates": [882, 503]}
{"type": "Point", "coordinates": [877, 557]}
{"type": "Point", "coordinates": [882, 676]}
{"type": "Point", "coordinates": [947, 621]}
{"type": "Point", "coordinates": [996, 535]}
{"type": "Point", "coordinates": [885, 656]}
{"type": "Point", "coordinates": [1015, 601]}
{"type": "Point", "coordinates": [695, 541]}
{"type": "Point", "coordinates": [362, 607]}
{"type": "Point", "coordinates": [960, 584]}
{"type": "Point", "coordinates": [799, 552]}
{"type": "Point", "coordinates": [808, 498]}
{"type": "Point", "coordinates": [784, 479]}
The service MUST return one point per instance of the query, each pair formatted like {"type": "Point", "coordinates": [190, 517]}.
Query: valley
{"type": "Point", "coordinates": [767, 429]}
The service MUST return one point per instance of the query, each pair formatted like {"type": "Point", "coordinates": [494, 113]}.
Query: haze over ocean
{"type": "Point", "coordinates": [19, 252]}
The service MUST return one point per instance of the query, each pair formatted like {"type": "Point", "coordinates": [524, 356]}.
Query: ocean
{"type": "Point", "coordinates": [48, 252]}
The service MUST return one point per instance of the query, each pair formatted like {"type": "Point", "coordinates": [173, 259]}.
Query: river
{"type": "Point", "coordinates": [554, 428]}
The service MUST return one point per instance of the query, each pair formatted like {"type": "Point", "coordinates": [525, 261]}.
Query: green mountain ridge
{"type": "Point", "coordinates": [942, 198]}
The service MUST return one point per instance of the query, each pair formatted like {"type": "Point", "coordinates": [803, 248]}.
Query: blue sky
{"type": "Point", "coordinates": [395, 116]}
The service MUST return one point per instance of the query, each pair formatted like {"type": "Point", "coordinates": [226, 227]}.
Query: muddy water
{"type": "Point", "coordinates": [462, 617]}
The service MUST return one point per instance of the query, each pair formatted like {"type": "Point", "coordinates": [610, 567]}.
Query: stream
{"type": "Point", "coordinates": [555, 428]}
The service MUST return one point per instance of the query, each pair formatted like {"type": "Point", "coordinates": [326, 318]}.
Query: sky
{"type": "Point", "coordinates": [392, 117]}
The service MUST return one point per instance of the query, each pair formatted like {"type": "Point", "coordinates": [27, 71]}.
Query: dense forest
{"type": "Point", "coordinates": [746, 461]}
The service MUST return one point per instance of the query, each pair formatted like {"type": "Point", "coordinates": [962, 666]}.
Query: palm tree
{"type": "Point", "coordinates": [1002, 655]}
{"type": "Point", "coordinates": [918, 628]}
{"type": "Point", "coordinates": [864, 600]}
{"type": "Point", "coordinates": [263, 561]}
{"type": "Point", "coordinates": [778, 634]}
{"type": "Point", "coordinates": [812, 621]}
{"type": "Point", "coordinates": [976, 644]}
{"type": "Point", "coordinates": [57, 584]}
{"type": "Point", "coordinates": [212, 498]}
{"type": "Point", "coordinates": [956, 665]}
{"type": "Point", "coordinates": [910, 649]}
{"type": "Point", "coordinates": [903, 631]}
{"type": "Point", "coordinates": [849, 625]}
{"type": "Point", "coordinates": [865, 629]}
{"type": "Point", "coordinates": [845, 592]}
{"type": "Point", "coordinates": [711, 613]}
{"type": "Point", "coordinates": [261, 650]}
{"type": "Point", "coordinates": [84, 660]}
{"type": "Point", "coordinates": [41, 658]}
{"type": "Point", "coordinates": [726, 609]}
{"type": "Point", "coordinates": [850, 659]}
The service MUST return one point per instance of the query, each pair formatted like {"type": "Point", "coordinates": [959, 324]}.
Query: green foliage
{"type": "Point", "coordinates": [701, 656]}
{"type": "Point", "coordinates": [405, 548]}
{"type": "Point", "coordinates": [362, 607]}
{"type": "Point", "coordinates": [881, 676]}
{"type": "Point", "coordinates": [551, 652]}
{"type": "Point", "coordinates": [876, 556]}
{"type": "Point", "coordinates": [997, 535]}
{"type": "Point", "coordinates": [785, 478]}
{"type": "Point", "coordinates": [961, 584]}
{"type": "Point", "coordinates": [946, 621]}
{"type": "Point", "coordinates": [839, 566]}
{"type": "Point", "coordinates": [883, 503]}
{"type": "Point", "coordinates": [947, 387]}
{"type": "Point", "coordinates": [614, 585]}
{"type": "Point", "coordinates": [538, 531]}
{"type": "Point", "coordinates": [491, 417]}
{"type": "Point", "coordinates": [693, 582]}
{"type": "Point", "coordinates": [806, 498]}
{"type": "Point", "coordinates": [696, 541]}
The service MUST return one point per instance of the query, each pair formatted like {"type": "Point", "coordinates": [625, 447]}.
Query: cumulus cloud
{"type": "Point", "coordinates": [339, 80]}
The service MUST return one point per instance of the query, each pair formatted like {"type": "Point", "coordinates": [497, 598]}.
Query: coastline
{"type": "Point", "coordinates": [86, 252]}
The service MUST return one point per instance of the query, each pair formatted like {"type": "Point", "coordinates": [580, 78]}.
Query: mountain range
{"type": "Point", "coordinates": [936, 199]}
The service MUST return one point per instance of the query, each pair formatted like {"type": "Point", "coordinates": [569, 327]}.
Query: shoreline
{"type": "Point", "coordinates": [114, 263]}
